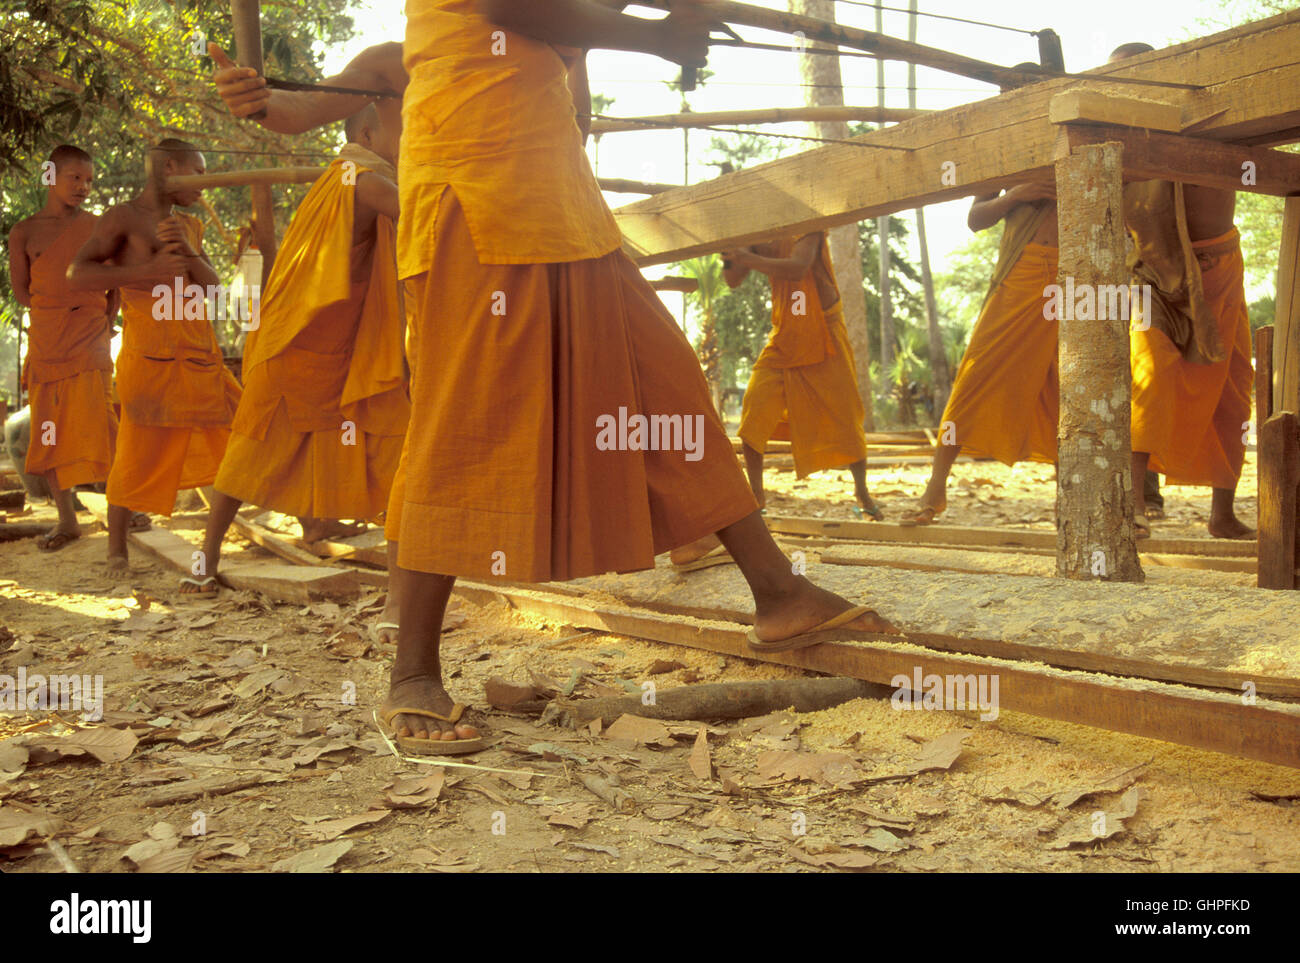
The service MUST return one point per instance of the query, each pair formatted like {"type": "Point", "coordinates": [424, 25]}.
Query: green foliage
{"type": "Point", "coordinates": [113, 77]}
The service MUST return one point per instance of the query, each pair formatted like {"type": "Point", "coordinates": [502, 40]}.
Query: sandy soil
{"type": "Point", "coordinates": [242, 688]}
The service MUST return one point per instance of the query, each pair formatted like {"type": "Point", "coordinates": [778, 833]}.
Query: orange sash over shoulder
{"type": "Point", "coordinates": [170, 371]}
{"type": "Point", "coordinates": [69, 329]}
{"type": "Point", "coordinates": [800, 333]}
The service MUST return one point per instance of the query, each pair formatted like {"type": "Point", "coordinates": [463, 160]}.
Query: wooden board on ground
{"type": "Point", "coordinates": [369, 548]}
{"type": "Point", "coordinates": [1030, 561]}
{"type": "Point", "coordinates": [964, 535]}
{"type": "Point", "coordinates": [1268, 731]}
{"type": "Point", "coordinates": [284, 583]}
{"type": "Point", "coordinates": [273, 543]}
{"type": "Point", "coordinates": [1190, 634]}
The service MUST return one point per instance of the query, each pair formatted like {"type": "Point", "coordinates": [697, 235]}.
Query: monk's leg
{"type": "Point", "coordinates": [785, 604]}
{"type": "Point", "coordinates": [1141, 525]}
{"type": "Point", "coordinates": [66, 528]}
{"type": "Point", "coordinates": [391, 617]}
{"type": "Point", "coordinates": [859, 472]}
{"type": "Point", "coordinates": [1223, 520]}
{"type": "Point", "coordinates": [119, 518]}
{"type": "Point", "coordinates": [754, 469]}
{"type": "Point", "coordinates": [934, 500]}
{"type": "Point", "coordinates": [221, 512]}
{"type": "Point", "coordinates": [416, 679]}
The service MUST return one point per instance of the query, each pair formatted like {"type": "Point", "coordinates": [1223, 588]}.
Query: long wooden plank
{"type": "Point", "coordinates": [284, 583]}
{"type": "Point", "coordinates": [1252, 94]}
{"type": "Point", "coordinates": [962, 535]}
{"type": "Point", "coordinates": [1236, 566]}
{"type": "Point", "coordinates": [1267, 731]}
{"type": "Point", "coordinates": [273, 543]}
{"type": "Point", "coordinates": [1263, 376]}
{"type": "Point", "coordinates": [1093, 106]}
{"type": "Point", "coordinates": [765, 115]}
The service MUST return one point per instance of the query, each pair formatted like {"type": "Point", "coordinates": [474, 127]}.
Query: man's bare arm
{"type": "Point", "coordinates": [245, 92]}
{"type": "Point", "coordinates": [377, 193]}
{"type": "Point", "coordinates": [988, 209]}
{"type": "Point", "coordinates": [20, 266]}
{"type": "Point", "coordinates": [792, 268]}
{"type": "Point", "coordinates": [90, 270]}
{"type": "Point", "coordinates": [681, 37]}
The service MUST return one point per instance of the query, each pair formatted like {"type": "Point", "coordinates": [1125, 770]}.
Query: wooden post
{"type": "Point", "coordinates": [1279, 480]}
{"type": "Point", "coordinates": [1094, 501]}
{"type": "Point", "coordinates": [1286, 335]}
{"type": "Point", "coordinates": [1263, 377]}
{"type": "Point", "coordinates": [246, 19]}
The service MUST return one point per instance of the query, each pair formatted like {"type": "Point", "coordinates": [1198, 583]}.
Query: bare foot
{"type": "Point", "coordinates": [1230, 527]}
{"type": "Point", "coordinates": [118, 564]}
{"type": "Point", "coordinates": [696, 550]}
{"type": "Point", "coordinates": [206, 586]}
{"type": "Point", "coordinates": [424, 692]}
{"type": "Point", "coordinates": [317, 529]}
{"type": "Point", "coordinates": [806, 607]}
{"type": "Point", "coordinates": [927, 514]}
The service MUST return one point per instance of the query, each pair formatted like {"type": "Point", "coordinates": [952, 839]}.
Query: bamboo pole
{"type": "Point", "coordinates": [767, 115]}
{"type": "Point", "coordinates": [619, 186]}
{"type": "Point", "coordinates": [256, 176]}
{"type": "Point", "coordinates": [246, 22]}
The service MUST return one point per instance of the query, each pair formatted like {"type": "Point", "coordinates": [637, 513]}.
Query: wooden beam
{"type": "Point", "coordinates": [273, 543]}
{"type": "Point", "coordinates": [1207, 720]}
{"type": "Point", "coordinates": [1279, 491]}
{"type": "Point", "coordinates": [618, 185]}
{"type": "Point", "coordinates": [1152, 155]}
{"type": "Point", "coordinates": [1252, 94]}
{"type": "Point", "coordinates": [886, 47]}
{"type": "Point", "coordinates": [1263, 377]}
{"type": "Point", "coordinates": [1286, 322]}
{"type": "Point", "coordinates": [246, 24]}
{"type": "Point", "coordinates": [1082, 104]}
{"type": "Point", "coordinates": [765, 115]}
{"type": "Point", "coordinates": [260, 175]}
{"type": "Point", "coordinates": [964, 535]}
{"type": "Point", "coordinates": [684, 285]}
{"type": "Point", "coordinates": [284, 583]}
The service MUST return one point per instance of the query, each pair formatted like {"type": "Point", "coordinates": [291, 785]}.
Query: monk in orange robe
{"type": "Point", "coordinates": [1191, 358]}
{"type": "Point", "coordinates": [318, 433]}
{"type": "Point", "coordinates": [68, 371]}
{"type": "Point", "coordinates": [1006, 396]}
{"type": "Point", "coordinates": [804, 387]}
{"type": "Point", "coordinates": [177, 395]}
{"type": "Point", "coordinates": [561, 425]}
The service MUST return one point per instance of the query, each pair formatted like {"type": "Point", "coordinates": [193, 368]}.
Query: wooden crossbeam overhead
{"type": "Point", "coordinates": [765, 115]}
{"type": "Point", "coordinates": [1251, 97]}
{"type": "Point", "coordinates": [264, 177]}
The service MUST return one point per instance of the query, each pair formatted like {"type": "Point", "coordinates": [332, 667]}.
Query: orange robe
{"type": "Point", "coordinates": [804, 387]}
{"type": "Point", "coordinates": [68, 371]}
{"type": "Point", "coordinates": [531, 331]}
{"type": "Point", "coordinates": [177, 398]}
{"type": "Point", "coordinates": [1005, 400]}
{"type": "Point", "coordinates": [319, 427]}
{"type": "Point", "coordinates": [1192, 417]}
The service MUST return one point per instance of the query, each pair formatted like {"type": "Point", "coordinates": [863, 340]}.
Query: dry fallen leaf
{"type": "Point", "coordinates": [831, 768]}
{"type": "Point", "coordinates": [317, 860]}
{"type": "Point", "coordinates": [106, 745]}
{"type": "Point", "coordinates": [646, 732]}
{"type": "Point", "coordinates": [16, 825]}
{"type": "Point", "coordinates": [700, 761]}
{"type": "Point", "coordinates": [416, 792]}
{"type": "Point", "coordinates": [1098, 825]}
{"type": "Point", "coordinates": [334, 828]}
{"type": "Point", "coordinates": [506, 695]}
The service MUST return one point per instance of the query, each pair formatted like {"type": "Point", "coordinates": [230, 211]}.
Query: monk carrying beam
{"type": "Point", "coordinates": [531, 330]}
{"type": "Point", "coordinates": [68, 372]}
{"type": "Point", "coordinates": [177, 394]}
{"type": "Point", "coordinates": [318, 433]}
{"type": "Point", "coordinates": [804, 385]}
{"type": "Point", "coordinates": [1191, 358]}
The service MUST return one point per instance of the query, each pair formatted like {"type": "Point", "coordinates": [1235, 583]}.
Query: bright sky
{"type": "Point", "coordinates": [753, 78]}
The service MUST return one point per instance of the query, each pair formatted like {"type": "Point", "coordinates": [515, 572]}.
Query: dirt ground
{"type": "Point", "coordinates": [277, 699]}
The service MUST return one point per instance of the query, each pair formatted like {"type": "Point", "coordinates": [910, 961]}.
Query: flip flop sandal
{"type": "Point", "coordinates": [925, 516]}
{"type": "Point", "coordinates": [1155, 514]}
{"type": "Point", "coordinates": [140, 522]}
{"type": "Point", "coordinates": [1141, 527]}
{"type": "Point", "coordinates": [874, 511]}
{"type": "Point", "coordinates": [714, 556]}
{"type": "Point", "coordinates": [201, 585]}
{"type": "Point", "coordinates": [431, 747]}
{"type": "Point", "coordinates": [828, 631]}
{"type": "Point", "coordinates": [378, 628]}
{"type": "Point", "coordinates": [52, 543]}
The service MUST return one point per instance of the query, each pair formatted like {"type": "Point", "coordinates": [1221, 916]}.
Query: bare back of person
{"type": "Point", "coordinates": [1209, 211]}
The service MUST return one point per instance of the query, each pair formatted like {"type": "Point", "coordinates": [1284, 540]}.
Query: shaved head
{"type": "Point", "coordinates": [367, 116]}
{"type": "Point", "coordinates": [1126, 50]}
{"type": "Point", "coordinates": [67, 153]}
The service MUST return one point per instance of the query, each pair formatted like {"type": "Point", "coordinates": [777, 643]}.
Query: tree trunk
{"type": "Point", "coordinates": [1094, 500]}
{"type": "Point", "coordinates": [940, 374]}
{"type": "Point", "coordinates": [846, 250]}
{"type": "Point", "coordinates": [888, 338]}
